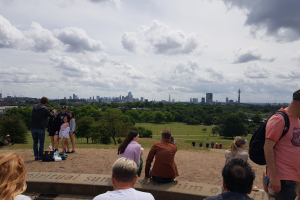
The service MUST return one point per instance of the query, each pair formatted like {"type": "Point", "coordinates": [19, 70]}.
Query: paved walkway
{"type": "Point", "coordinates": [60, 196]}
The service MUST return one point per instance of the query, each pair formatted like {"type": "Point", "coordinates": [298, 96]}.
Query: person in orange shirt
{"type": "Point", "coordinates": [283, 155]}
{"type": "Point", "coordinates": [164, 169]}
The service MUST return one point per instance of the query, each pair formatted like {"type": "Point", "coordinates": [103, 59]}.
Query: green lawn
{"type": "Point", "coordinates": [183, 134]}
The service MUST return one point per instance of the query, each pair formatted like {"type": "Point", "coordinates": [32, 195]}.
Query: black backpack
{"type": "Point", "coordinates": [256, 148]}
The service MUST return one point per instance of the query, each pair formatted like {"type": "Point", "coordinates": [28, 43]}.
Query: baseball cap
{"type": "Point", "coordinates": [64, 107]}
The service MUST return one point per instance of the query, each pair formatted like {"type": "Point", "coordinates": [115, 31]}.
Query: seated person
{"type": "Point", "coordinates": [217, 145]}
{"type": "Point", "coordinates": [238, 177]}
{"type": "Point", "coordinates": [207, 145]}
{"type": "Point", "coordinates": [266, 181]}
{"type": "Point", "coordinates": [212, 144]}
{"type": "Point", "coordinates": [164, 169]}
{"type": "Point", "coordinates": [7, 141]}
{"type": "Point", "coordinates": [200, 144]}
{"type": "Point", "coordinates": [13, 174]}
{"type": "Point", "coordinates": [124, 176]}
{"type": "Point", "coordinates": [172, 140]}
{"type": "Point", "coordinates": [220, 145]}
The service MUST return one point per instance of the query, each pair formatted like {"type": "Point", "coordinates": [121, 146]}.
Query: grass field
{"type": "Point", "coordinates": [183, 134]}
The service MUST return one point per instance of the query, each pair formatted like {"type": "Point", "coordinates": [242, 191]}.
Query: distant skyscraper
{"type": "Point", "coordinates": [142, 99]}
{"type": "Point", "coordinates": [130, 95]}
{"type": "Point", "coordinates": [70, 97]}
{"type": "Point", "coordinates": [0, 95]}
{"type": "Point", "coordinates": [98, 98]}
{"type": "Point", "coordinates": [74, 96]}
{"type": "Point", "coordinates": [191, 100]}
{"type": "Point", "coordinates": [239, 99]}
{"type": "Point", "coordinates": [209, 98]}
{"type": "Point", "coordinates": [169, 97]}
{"type": "Point", "coordinates": [227, 100]}
{"type": "Point", "coordinates": [203, 100]}
{"type": "Point", "coordinates": [195, 100]}
{"type": "Point", "coordinates": [93, 98]}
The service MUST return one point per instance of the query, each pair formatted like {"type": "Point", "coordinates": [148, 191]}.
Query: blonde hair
{"type": "Point", "coordinates": [237, 143]}
{"type": "Point", "coordinates": [124, 170]}
{"type": "Point", "coordinates": [12, 176]}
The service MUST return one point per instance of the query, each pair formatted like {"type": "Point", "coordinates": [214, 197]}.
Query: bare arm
{"type": "Point", "coordinates": [269, 155]}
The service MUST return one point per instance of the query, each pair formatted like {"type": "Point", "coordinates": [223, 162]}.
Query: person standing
{"type": "Point", "coordinates": [64, 133]}
{"type": "Point", "coordinates": [237, 150]}
{"type": "Point", "coordinates": [164, 169]}
{"type": "Point", "coordinates": [40, 113]}
{"type": "Point", "coordinates": [283, 155]}
{"type": "Point", "coordinates": [63, 113]}
{"type": "Point", "coordinates": [53, 129]}
{"type": "Point", "coordinates": [72, 130]}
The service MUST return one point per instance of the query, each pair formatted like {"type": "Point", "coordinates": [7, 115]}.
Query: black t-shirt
{"type": "Point", "coordinates": [61, 116]}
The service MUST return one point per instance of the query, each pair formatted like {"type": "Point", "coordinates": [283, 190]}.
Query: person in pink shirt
{"type": "Point", "coordinates": [283, 156]}
{"type": "Point", "coordinates": [130, 148]}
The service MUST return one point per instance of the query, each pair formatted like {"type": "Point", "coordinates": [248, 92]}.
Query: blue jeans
{"type": "Point", "coordinates": [38, 135]}
{"type": "Point", "coordinates": [162, 180]}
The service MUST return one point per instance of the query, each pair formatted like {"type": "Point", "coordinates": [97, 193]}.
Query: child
{"type": "Point", "coordinates": [64, 133]}
{"type": "Point", "coordinates": [172, 140]}
{"type": "Point", "coordinates": [72, 130]}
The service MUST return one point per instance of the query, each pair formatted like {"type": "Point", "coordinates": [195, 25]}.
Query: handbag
{"type": "Point", "coordinates": [47, 156]}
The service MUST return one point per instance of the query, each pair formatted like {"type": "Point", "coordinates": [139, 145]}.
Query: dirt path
{"type": "Point", "coordinates": [195, 166]}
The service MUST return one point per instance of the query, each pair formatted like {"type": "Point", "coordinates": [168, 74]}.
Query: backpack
{"type": "Point", "coordinates": [256, 148]}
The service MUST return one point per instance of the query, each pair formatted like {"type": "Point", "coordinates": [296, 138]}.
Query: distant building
{"type": "Point", "coordinates": [146, 100]}
{"type": "Point", "coordinates": [209, 98]}
{"type": "Point", "coordinates": [0, 95]}
{"type": "Point", "coordinates": [227, 100]}
{"type": "Point", "coordinates": [173, 100]}
{"type": "Point", "coordinates": [203, 100]}
{"type": "Point", "coordinates": [231, 102]}
{"type": "Point", "coordinates": [130, 95]}
{"type": "Point", "coordinates": [70, 97]}
{"type": "Point", "coordinates": [74, 96]}
{"type": "Point", "coordinates": [191, 100]}
{"type": "Point", "coordinates": [142, 99]}
{"type": "Point", "coordinates": [4, 109]}
{"type": "Point", "coordinates": [195, 100]}
{"type": "Point", "coordinates": [169, 98]}
{"type": "Point", "coordinates": [239, 98]}
{"type": "Point", "coordinates": [98, 98]}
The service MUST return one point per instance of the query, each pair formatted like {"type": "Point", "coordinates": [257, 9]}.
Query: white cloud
{"type": "Point", "coordinates": [10, 36]}
{"type": "Point", "coordinates": [116, 3]}
{"type": "Point", "coordinates": [132, 73]}
{"type": "Point", "coordinates": [256, 71]}
{"type": "Point", "coordinates": [161, 39]}
{"type": "Point", "coordinates": [13, 71]}
{"type": "Point", "coordinates": [69, 66]}
{"type": "Point", "coordinates": [291, 74]}
{"type": "Point", "coordinates": [247, 55]}
{"type": "Point", "coordinates": [130, 41]}
{"type": "Point", "coordinates": [77, 40]}
{"type": "Point", "coordinates": [296, 56]}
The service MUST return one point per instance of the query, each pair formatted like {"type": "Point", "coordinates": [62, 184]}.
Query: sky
{"type": "Point", "coordinates": [151, 48]}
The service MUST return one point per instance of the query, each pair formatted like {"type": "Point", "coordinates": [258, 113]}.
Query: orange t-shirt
{"type": "Point", "coordinates": [287, 149]}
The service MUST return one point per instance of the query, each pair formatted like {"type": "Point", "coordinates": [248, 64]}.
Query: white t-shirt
{"type": "Point", "coordinates": [22, 197]}
{"type": "Point", "coordinates": [129, 194]}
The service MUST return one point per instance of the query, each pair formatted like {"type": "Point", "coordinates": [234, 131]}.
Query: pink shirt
{"type": "Point", "coordinates": [287, 149]}
{"type": "Point", "coordinates": [133, 152]}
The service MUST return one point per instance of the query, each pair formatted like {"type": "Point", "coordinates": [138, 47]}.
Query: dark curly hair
{"type": "Point", "coordinates": [238, 176]}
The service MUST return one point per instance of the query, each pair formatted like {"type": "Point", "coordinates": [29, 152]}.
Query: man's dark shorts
{"type": "Point", "coordinates": [287, 191]}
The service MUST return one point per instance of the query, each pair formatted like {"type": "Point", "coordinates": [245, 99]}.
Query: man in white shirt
{"type": "Point", "coordinates": [123, 179]}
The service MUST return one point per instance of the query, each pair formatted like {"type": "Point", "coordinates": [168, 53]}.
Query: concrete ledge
{"type": "Point", "coordinates": [94, 184]}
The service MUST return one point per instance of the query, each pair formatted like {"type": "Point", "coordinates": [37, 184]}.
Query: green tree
{"type": "Point", "coordinates": [215, 130]}
{"type": "Point", "coordinates": [98, 134]}
{"type": "Point", "coordinates": [113, 124]}
{"type": "Point", "coordinates": [15, 127]}
{"type": "Point", "coordinates": [63, 103]}
{"type": "Point", "coordinates": [83, 127]}
{"type": "Point", "coordinates": [159, 117]}
{"type": "Point", "coordinates": [204, 129]}
{"type": "Point", "coordinates": [133, 113]}
{"type": "Point", "coordinates": [218, 109]}
{"type": "Point", "coordinates": [146, 116]}
{"type": "Point", "coordinates": [169, 117]}
{"type": "Point", "coordinates": [24, 114]}
{"type": "Point", "coordinates": [208, 120]}
{"type": "Point", "coordinates": [256, 118]}
{"type": "Point", "coordinates": [232, 126]}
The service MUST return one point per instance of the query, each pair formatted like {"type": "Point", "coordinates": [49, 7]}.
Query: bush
{"type": "Point", "coordinates": [15, 127]}
{"type": "Point", "coordinates": [119, 140]}
{"type": "Point", "coordinates": [143, 132]}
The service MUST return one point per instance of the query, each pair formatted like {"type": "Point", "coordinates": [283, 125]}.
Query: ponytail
{"type": "Point", "coordinates": [237, 143]}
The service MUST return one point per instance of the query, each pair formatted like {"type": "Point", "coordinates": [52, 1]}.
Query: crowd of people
{"type": "Point", "coordinates": [282, 155]}
{"type": "Point", "coordinates": [60, 126]}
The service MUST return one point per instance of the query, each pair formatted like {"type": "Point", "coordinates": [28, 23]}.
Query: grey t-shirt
{"type": "Point", "coordinates": [129, 194]}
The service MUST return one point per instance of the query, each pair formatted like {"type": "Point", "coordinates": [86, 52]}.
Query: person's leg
{"type": "Point", "coordinates": [162, 180]}
{"type": "Point", "coordinates": [73, 141]}
{"type": "Point", "coordinates": [67, 144]}
{"type": "Point", "coordinates": [41, 136]}
{"type": "Point", "coordinates": [34, 135]}
{"type": "Point", "coordinates": [287, 191]}
{"type": "Point", "coordinates": [52, 141]}
{"type": "Point", "coordinates": [56, 140]}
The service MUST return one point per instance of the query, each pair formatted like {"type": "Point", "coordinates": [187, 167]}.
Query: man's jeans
{"type": "Point", "coordinates": [38, 135]}
{"type": "Point", "coordinates": [287, 191]}
{"type": "Point", "coordinates": [162, 180]}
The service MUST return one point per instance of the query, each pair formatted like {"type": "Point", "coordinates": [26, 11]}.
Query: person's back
{"type": "Point", "coordinates": [164, 168]}
{"type": "Point", "coordinates": [127, 194]}
{"type": "Point", "coordinates": [237, 150]}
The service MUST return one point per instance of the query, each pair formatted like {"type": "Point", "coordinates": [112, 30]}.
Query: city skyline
{"type": "Point", "coordinates": [109, 47]}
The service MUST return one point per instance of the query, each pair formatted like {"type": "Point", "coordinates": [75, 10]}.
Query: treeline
{"type": "Point", "coordinates": [104, 123]}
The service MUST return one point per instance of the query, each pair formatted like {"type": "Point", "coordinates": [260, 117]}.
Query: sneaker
{"type": "Point", "coordinates": [36, 158]}
{"type": "Point", "coordinates": [39, 158]}
{"type": "Point", "coordinates": [72, 152]}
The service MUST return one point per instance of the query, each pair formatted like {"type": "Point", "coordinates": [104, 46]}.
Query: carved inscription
{"type": "Point", "coordinates": [196, 188]}
{"type": "Point", "coordinates": [214, 190]}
